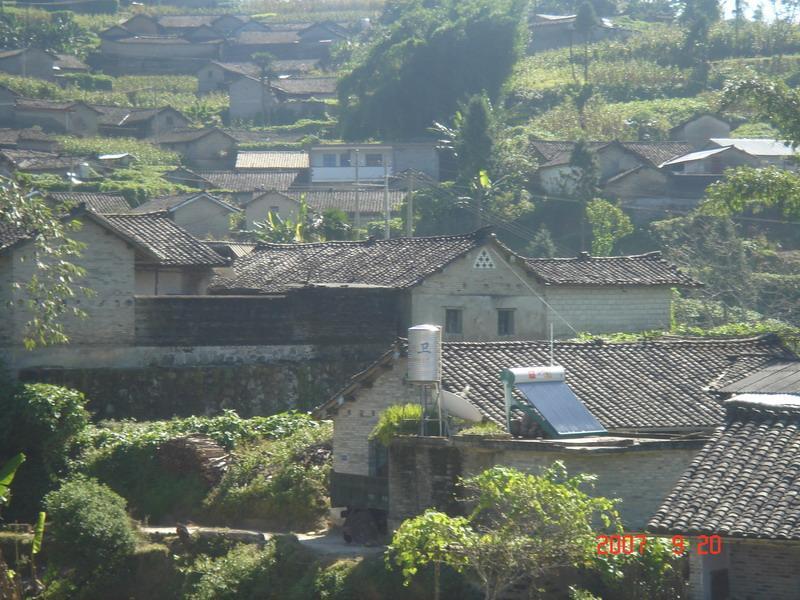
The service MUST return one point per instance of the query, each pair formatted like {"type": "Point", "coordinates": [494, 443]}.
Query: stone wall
{"type": "Point", "coordinates": [756, 569]}
{"type": "Point", "coordinates": [641, 475]}
{"type": "Point", "coordinates": [162, 382]}
{"type": "Point", "coordinates": [610, 309]}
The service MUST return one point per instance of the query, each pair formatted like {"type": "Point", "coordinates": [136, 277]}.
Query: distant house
{"type": "Point", "coordinates": [139, 122]}
{"type": "Point", "coordinates": [8, 99]}
{"type": "Point", "coordinates": [124, 255]}
{"type": "Point", "coordinates": [66, 64]}
{"type": "Point", "coordinates": [711, 162]}
{"type": "Point", "coordinates": [34, 161]}
{"type": "Point", "coordinates": [29, 62]}
{"type": "Point", "coordinates": [698, 129]}
{"type": "Point", "coordinates": [336, 163]}
{"type": "Point", "coordinates": [97, 202]}
{"type": "Point", "coordinates": [216, 75]}
{"type": "Point", "coordinates": [250, 100]}
{"type": "Point", "coordinates": [241, 185]}
{"type": "Point", "coordinates": [190, 26]}
{"type": "Point", "coordinates": [298, 96]}
{"type": "Point", "coordinates": [737, 503]}
{"type": "Point", "coordinates": [769, 152]}
{"type": "Point", "coordinates": [28, 139]}
{"type": "Point", "coordinates": [70, 117]}
{"type": "Point", "coordinates": [206, 148]}
{"type": "Point", "coordinates": [649, 398]}
{"type": "Point", "coordinates": [201, 214]}
{"type": "Point", "coordinates": [475, 287]}
{"type": "Point", "coordinates": [548, 32]}
{"type": "Point", "coordinates": [271, 160]}
{"type": "Point", "coordinates": [158, 54]}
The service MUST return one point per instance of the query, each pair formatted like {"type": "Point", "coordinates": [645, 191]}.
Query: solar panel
{"type": "Point", "coordinates": [562, 412]}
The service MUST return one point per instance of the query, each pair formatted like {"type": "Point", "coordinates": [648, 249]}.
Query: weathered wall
{"type": "Point", "coordinates": [248, 101]}
{"type": "Point", "coordinates": [641, 478]}
{"type": "Point", "coordinates": [479, 293]}
{"type": "Point", "coordinates": [256, 211]}
{"type": "Point", "coordinates": [250, 380]}
{"type": "Point", "coordinates": [610, 309]}
{"type": "Point", "coordinates": [204, 219]}
{"type": "Point", "coordinates": [350, 316]}
{"type": "Point", "coordinates": [698, 131]}
{"type": "Point", "coordinates": [756, 569]}
{"type": "Point", "coordinates": [109, 264]}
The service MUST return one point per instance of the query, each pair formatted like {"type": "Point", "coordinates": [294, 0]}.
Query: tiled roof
{"type": "Point", "coordinates": [245, 182]}
{"type": "Point", "coordinates": [299, 65]}
{"type": "Point", "coordinates": [67, 61]}
{"type": "Point", "coordinates": [9, 235]}
{"type": "Point", "coordinates": [780, 378]}
{"type": "Point", "coordinates": [168, 243]}
{"type": "Point", "coordinates": [185, 21]}
{"type": "Point", "coordinates": [179, 136]}
{"type": "Point", "coordinates": [257, 136]}
{"type": "Point", "coordinates": [248, 69]}
{"type": "Point", "coordinates": [642, 269]}
{"type": "Point", "coordinates": [273, 159]}
{"type": "Point", "coordinates": [12, 136]}
{"type": "Point", "coordinates": [321, 86]}
{"type": "Point", "coordinates": [32, 103]}
{"type": "Point", "coordinates": [397, 263]}
{"type": "Point", "coordinates": [267, 37]}
{"type": "Point", "coordinates": [34, 160]}
{"type": "Point", "coordinates": [658, 152]}
{"type": "Point", "coordinates": [369, 201]}
{"type": "Point", "coordinates": [661, 384]}
{"type": "Point", "coordinates": [745, 483]}
{"type": "Point", "coordinates": [166, 40]}
{"type": "Point", "coordinates": [96, 201]}
{"type": "Point", "coordinates": [167, 203]}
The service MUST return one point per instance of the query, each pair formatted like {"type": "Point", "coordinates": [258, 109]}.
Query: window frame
{"type": "Point", "coordinates": [369, 159]}
{"type": "Point", "coordinates": [460, 320]}
{"type": "Point", "coordinates": [329, 160]}
{"type": "Point", "coordinates": [510, 324]}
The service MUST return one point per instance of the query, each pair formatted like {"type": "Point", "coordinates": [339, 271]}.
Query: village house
{"type": "Point", "coordinates": [351, 163]}
{"type": "Point", "coordinates": [201, 214]}
{"type": "Point", "coordinates": [29, 62]}
{"type": "Point", "coordinates": [189, 26]}
{"type": "Point", "coordinates": [360, 206]}
{"type": "Point", "coordinates": [279, 98]}
{"type": "Point", "coordinates": [650, 405]}
{"type": "Point", "coordinates": [699, 128]}
{"type": "Point", "coordinates": [305, 42]}
{"type": "Point", "coordinates": [126, 121]}
{"type": "Point", "coordinates": [157, 54]}
{"type": "Point", "coordinates": [97, 202]}
{"type": "Point", "coordinates": [271, 160]}
{"type": "Point", "coordinates": [70, 117]}
{"type": "Point", "coordinates": [711, 162]}
{"type": "Point", "coordinates": [67, 64]}
{"type": "Point", "coordinates": [473, 286]}
{"type": "Point", "coordinates": [28, 139]}
{"type": "Point", "coordinates": [548, 32]}
{"type": "Point", "coordinates": [208, 148]}
{"type": "Point", "coordinates": [218, 76]}
{"type": "Point", "coordinates": [34, 161]}
{"type": "Point", "coordinates": [737, 502]}
{"type": "Point", "coordinates": [124, 255]}
{"type": "Point", "coordinates": [8, 100]}
{"type": "Point", "coordinates": [241, 186]}
{"type": "Point", "coordinates": [769, 152]}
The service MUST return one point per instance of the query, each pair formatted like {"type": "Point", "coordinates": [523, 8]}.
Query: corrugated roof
{"type": "Point", "coordinates": [639, 269]}
{"type": "Point", "coordinates": [744, 483]}
{"type": "Point", "coordinates": [693, 156]}
{"type": "Point", "coordinates": [757, 146]}
{"type": "Point", "coordinates": [780, 378]}
{"type": "Point", "coordinates": [272, 159]}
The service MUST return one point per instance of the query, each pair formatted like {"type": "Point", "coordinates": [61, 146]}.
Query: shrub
{"type": "Point", "coordinates": [395, 420]}
{"type": "Point", "coordinates": [283, 483]}
{"type": "Point", "coordinates": [486, 429]}
{"type": "Point", "coordinates": [90, 528]}
{"type": "Point", "coordinates": [88, 81]}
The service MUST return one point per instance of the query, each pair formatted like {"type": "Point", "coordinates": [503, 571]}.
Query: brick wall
{"type": "Point", "coordinates": [610, 309]}
{"type": "Point", "coordinates": [640, 478]}
{"type": "Point", "coordinates": [303, 317]}
{"type": "Point", "coordinates": [756, 569]}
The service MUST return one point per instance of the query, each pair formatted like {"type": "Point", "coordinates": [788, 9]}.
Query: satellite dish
{"type": "Point", "coordinates": [460, 407]}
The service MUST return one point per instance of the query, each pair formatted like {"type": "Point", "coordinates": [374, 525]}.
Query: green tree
{"type": "Point", "coordinates": [521, 528]}
{"type": "Point", "coordinates": [772, 101]}
{"type": "Point", "coordinates": [609, 225]}
{"type": "Point", "coordinates": [697, 17]}
{"type": "Point", "coordinates": [749, 190]}
{"type": "Point", "coordinates": [426, 59]}
{"type": "Point", "coordinates": [585, 182]}
{"type": "Point", "coordinates": [265, 62]}
{"type": "Point", "coordinates": [48, 294]}
{"type": "Point", "coordinates": [586, 21]}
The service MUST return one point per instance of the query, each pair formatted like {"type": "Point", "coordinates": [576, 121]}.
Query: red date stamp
{"type": "Point", "coordinates": [632, 543]}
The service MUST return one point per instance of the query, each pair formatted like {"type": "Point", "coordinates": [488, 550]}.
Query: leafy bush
{"type": "Point", "coordinates": [396, 420]}
{"type": "Point", "coordinates": [89, 525]}
{"type": "Point", "coordinates": [88, 81]}
{"type": "Point", "coordinates": [145, 153]}
{"type": "Point", "coordinates": [283, 483]}
{"type": "Point", "coordinates": [486, 429]}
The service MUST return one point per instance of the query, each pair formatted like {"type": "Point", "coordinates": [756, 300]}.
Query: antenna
{"type": "Point", "coordinates": [551, 343]}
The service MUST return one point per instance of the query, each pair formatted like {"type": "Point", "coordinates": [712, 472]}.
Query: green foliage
{"type": "Point", "coordinates": [609, 225]}
{"type": "Point", "coordinates": [656, 573]}
{"type": "Point", "coordinates": [485, 429]}
{"type": "Point", "coordinates": [7, 472]}
{"type": "Point", "coordinates": [90, 528]}
{"type": "Point", "coordinates": [48, 296]}
{"type": "Point", "coordinates": [396, 420]}
{"type": "Point", "coordinates": [282, 483]}
{"type": "Point", "coordinates": [773, 102]}
{"type": "Point", "coordinates": [88, 81]}
{"type": "Point", "coordinates": [750, 190]}
{"type": "Point", "coordinates": [56, 31]}
{"type": "Point", "coordinates": [145, 153]}
{"type": "Point", "coordinates": [465, 47]}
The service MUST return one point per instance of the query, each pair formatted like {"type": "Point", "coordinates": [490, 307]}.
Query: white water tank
{"type": "Point", "coordinates": [425, 353]}
{"type": "Point", "coordinates": [533, 374]}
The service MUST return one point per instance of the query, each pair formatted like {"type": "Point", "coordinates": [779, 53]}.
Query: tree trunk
{"type": "Point", "coordinates": [436, 571]}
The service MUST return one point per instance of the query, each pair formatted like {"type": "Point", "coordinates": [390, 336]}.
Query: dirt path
{"type": "Point", "coordinates": [329, 543]}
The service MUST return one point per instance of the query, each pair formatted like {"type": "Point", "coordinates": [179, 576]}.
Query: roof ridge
{"type": "Point", "coordinates": [655, 254]}
{"type": "Point", "coordinates": [477, 234]}
{"type": "Point", "coordinates": [672, 340]}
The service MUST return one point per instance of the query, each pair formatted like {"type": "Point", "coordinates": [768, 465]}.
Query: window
{"type": "Point", "coordinates": [453, 322]}
{"type": "Point", "coordinates": [373, 160]}
{"type": "Point", "coordinates": [328, 160]}
{"type": "Point", "coordinates": [275, 210]}
{"type": "Point", "coordinates": [378, 459]}
{"type": "Point", "coordinates": [505, 321]}
{"type": "Point", "coordinates": [484, 260]}
{"type": "Point", "coordinates": [344, 159]}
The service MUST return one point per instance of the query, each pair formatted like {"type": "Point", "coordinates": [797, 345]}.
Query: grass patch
{"type": "Point", "coordinates": [145, 153]}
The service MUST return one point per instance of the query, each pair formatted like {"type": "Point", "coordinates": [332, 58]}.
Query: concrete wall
{"type": "Point", "coordinates": [160, 281]}
{"type": "Point", "coordinates": [645, 182]}
{"type": "Point", "coordinates": [248, 100]}
{"type": "Point", "coordinates": [32, 63]}
{"type": "Point", "coordinates": [480, 293]}
{"type": "Point", "coordinates": [256, 211]}
{"type": "Point", "coordinates": [609, 309]}
{"type": "Point", "coordinates": [639, 477]}
{"type": "Point", "coordinates": [138, 51]}
{"type": "Point", "coordinates": [614, 159]}
{"type": "Point", "coordinates": [81, 121]}
{"type": "Point", "coordinates": [109, 263]}
{"type": "Point", "coordinates": [557, 180]}
{"type": "Point", "coordinates": [756, 569]}
{"type": "Point", "coordinates": [211, 78]}
{"type": "Point", "coordinates": [204, 219]}
{"type": "Point", "coordinates": [214, 151]}
{"type": "Point", "coordinates": [419, 157]}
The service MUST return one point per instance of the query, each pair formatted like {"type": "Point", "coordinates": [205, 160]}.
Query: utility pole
{"type": "Point", "coordinates": [410, 206]}
{"type": "Point", "coordinates": [358, 197]}
{"type": "Point", "coordinates": [387, 232]}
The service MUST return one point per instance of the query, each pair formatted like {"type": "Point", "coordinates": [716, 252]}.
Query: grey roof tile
{"type": "Point", "coordinates": [96, 201]}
